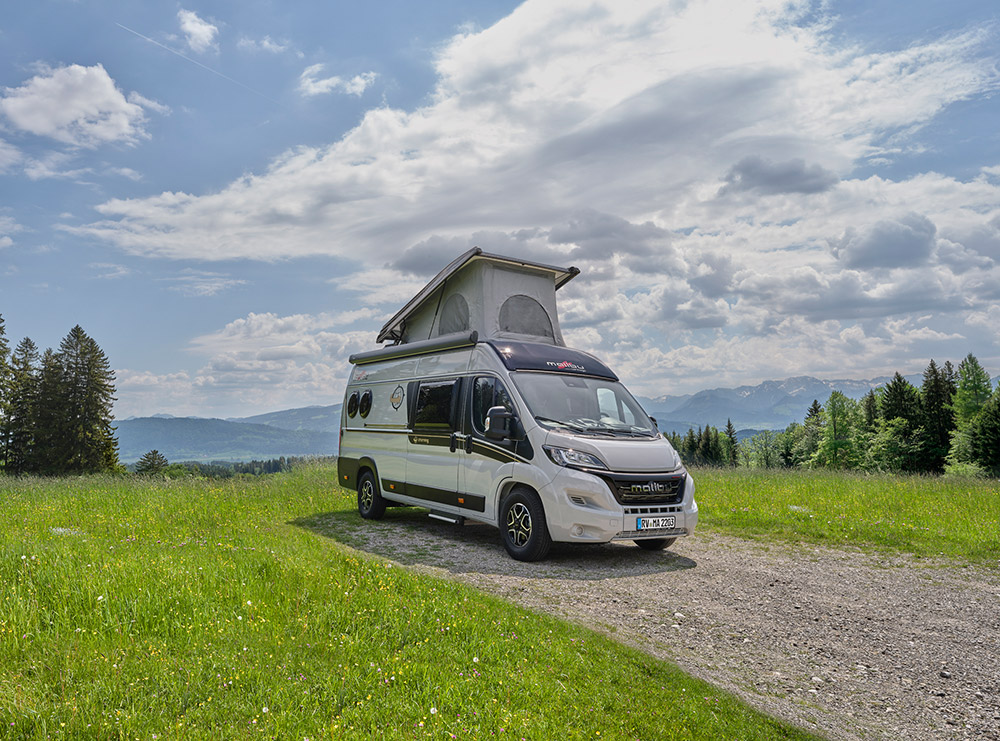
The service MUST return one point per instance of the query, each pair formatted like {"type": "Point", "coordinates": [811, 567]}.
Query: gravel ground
{"type": "Point", "coordinates": [845, 643]}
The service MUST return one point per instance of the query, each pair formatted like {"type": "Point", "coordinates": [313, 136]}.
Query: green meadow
{"type": "Point", "coordinates": [957, 518]}
{"type": "Point", "coordinates": [192, 609]}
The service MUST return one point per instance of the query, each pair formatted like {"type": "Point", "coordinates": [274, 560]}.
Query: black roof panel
{"type": "Point", "coordinates": [552, 358]}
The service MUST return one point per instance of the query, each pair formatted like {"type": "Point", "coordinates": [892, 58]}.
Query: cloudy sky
{"type": "Point", "coordinates": [231, 197]}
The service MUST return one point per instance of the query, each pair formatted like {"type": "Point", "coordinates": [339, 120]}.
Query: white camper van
{"type": "Point", "coordinates": [479, 411]}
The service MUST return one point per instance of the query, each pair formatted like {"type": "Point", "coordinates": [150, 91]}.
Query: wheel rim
{"type": "Point", "coordinates": [367, 495]}
{"type": "Point", "coordinates": [519, 524]}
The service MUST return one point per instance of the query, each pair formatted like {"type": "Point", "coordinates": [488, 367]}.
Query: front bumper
{"type": "Point", "coordinates": [580, 508]}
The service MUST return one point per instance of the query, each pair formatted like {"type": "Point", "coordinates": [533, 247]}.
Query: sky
{"type": "Point", "coordinates": [233, 197]}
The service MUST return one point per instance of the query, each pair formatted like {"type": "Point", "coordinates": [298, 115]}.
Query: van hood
{"type": "Point", "coordinates": [624, 454]}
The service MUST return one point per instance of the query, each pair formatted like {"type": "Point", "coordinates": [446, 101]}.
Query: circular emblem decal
{"type": "Point", "coordinates": [397, 397]}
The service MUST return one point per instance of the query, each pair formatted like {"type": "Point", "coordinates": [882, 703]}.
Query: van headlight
{"type": "Point", "coordinates": [573, 458]}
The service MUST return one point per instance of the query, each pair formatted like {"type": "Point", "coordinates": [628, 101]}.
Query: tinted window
{"type": "Point", "coordinates": [434, 405]}
{"type": "Point", "coordinates": [487, 392]}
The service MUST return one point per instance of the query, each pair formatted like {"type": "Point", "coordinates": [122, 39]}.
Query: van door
{"type": "Point", "coordinates": [485, 463]}
{"type": "Point", "coordinates": [432, 459]}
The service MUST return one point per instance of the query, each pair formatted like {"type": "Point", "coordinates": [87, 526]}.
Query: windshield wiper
{"type": "Point", "coordinates": [572, 426]}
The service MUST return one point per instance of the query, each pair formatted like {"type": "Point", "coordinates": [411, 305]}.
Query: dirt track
{"type": "Point", "coordinates": [845, 643]}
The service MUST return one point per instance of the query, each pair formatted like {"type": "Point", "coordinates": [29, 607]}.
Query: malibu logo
{"type": "Point", "coordinates": [653, 487]}
{"type": "Point", "coordinates": [566, 365]}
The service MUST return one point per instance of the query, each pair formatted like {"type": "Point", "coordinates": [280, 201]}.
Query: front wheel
{"type": "Point", "coordinates": [522, 524]}
{"type": "Point", "coordinates": [371, 505]}
{"type": "Point", "coordinates": [655, 544]}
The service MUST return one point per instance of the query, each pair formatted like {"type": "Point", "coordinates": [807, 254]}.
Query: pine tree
{"type": "Point", "coordinates": [896, 445]}
{"type": "Point", "coordinates": [89, 394]}
{"type": "Point", "coordinates": [5, 391]}
{"type": "Point", "coordinates": [806, 439]}
{"type": "Point", "coordinates": [937, 418]}
{"type": "Point", "coordinates": [52, 426]}
{"type": "Point", "coordinates": [986, 435]}
{"type": "Point", "coordinates": [900, 399]}
{"type": "Point", "coordinates": [814, 410]}
{"type": "Point", "coordinates": [869, 410]}
{"type": "Point", "coordinates": [18, 430]}
{"type": "Point", "coordinates": [731, 445]}
{"type": "Point", "coordinates": [151, 463]}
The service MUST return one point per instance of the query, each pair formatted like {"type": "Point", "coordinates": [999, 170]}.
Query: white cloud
{"type": "Point", "coordinates": [54, 165]}
{"type": "Point", "coordinates": [696, 159]}
{"type": "Point", "coordinates": [145, 102]}
{"type": "Point", "coordinates": [201, 283]}
{"type": "Point", "coordinates": [109, 271]}
{"type": "Point", "coordinates": [311, 84]}
{"type": "Point", "coordinates": [634, 110]}
{"type": "Point", "coordinates": [75, 105]}
{"type": "Point", "coordinates": [257, 362]}
{"type": "Point", "coordinates": [199, 33]}
{"type": "Point", "coordinates": [266, 44]}
{"type": "Point", "coordinates": [8, 226]}
{"type": "Point", "coordinates": [9, 156]}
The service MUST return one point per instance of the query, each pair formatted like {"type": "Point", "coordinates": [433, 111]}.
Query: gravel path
{"type": "Point", "coordinates": [851, 645]}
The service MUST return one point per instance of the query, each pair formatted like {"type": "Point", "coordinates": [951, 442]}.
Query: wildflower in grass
{"type": "Point", "coordinates": [434, 711]}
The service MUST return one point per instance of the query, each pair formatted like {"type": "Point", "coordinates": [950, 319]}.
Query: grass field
{"type": "Point", "coordinates": [926, 516]}
{"type": "Point", "coordinates": [196, 609]}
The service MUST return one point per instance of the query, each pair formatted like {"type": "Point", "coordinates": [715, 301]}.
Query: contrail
{"type": "Point", "coordinates": [195, 61]}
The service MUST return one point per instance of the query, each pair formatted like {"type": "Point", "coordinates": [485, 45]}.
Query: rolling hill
{"type": "Point", "coordinates": [196, 439]}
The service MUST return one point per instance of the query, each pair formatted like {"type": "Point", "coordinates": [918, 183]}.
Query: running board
{"type": "Point", "coordinates": [453, 519]}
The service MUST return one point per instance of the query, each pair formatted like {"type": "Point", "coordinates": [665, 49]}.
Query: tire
{"type": "Point", "coordinates": [522, 525]}
{"type": "Point", "coordinates": [371, 505]}
{"type": "Point", "coordinates": [655, 544]}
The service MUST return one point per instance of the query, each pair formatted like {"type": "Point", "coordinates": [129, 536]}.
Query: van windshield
{"type": "Point", "coordinates": [592, 406]}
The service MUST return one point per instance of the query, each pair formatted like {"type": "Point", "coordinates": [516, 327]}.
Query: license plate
{"type": "Point", "coordinates": [655, 523]}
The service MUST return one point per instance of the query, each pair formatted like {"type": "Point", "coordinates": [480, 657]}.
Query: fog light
{"type": "Point", "coordinates": [577, 530]}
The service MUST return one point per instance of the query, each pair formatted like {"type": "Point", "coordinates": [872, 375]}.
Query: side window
{"type": "Point", "coordinates": [613, 407]}
{"type": "Point", "coordinates": [487, 392]}
{"type": "Point", "coordinates": [608, 403]}
{"type": "Point", "coordinates": [434, 405]}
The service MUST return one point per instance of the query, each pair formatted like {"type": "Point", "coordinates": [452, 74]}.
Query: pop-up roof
{"type": "Point", "coordinates": [498, 297]}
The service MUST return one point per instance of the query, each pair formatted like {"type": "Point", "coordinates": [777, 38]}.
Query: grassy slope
{"type": "Point", "coordinates": [921, 515]}
{"type": "Point", "coordinates": [196, 610]}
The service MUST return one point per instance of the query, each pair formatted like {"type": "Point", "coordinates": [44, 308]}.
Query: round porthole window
{"type": "Point", "coordinates": [365, 404]}
{"type": "Point", "coordinates": [352, 405]}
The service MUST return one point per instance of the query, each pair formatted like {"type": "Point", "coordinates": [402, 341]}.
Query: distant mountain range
{"type": "Point", "coordinates": [768, 405]}
{"type": "Point", "coordinates": [199, 439]}
{"type": "Point", "coordinates": [314, 430]}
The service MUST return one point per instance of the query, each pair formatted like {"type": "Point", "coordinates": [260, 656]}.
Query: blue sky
{"type": "Point", "coordinates": [233, 197]}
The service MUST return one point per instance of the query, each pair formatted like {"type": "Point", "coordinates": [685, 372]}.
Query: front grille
{"type": "Point", "coordinates": [630, 488]}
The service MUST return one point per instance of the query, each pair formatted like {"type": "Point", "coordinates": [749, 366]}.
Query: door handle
{"type": "Point", "coordinates": [468, 443]}
{"type": "Point", "coordinates": [453, 445]}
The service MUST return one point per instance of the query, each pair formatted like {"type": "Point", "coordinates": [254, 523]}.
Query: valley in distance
{"type": "Point", "coordinates": [313, 430]}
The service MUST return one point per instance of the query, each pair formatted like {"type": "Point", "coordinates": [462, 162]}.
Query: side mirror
{"type": "Point", "coordinates": [655, 423]}
{"type": "Point", "coordinates": [499, 423]}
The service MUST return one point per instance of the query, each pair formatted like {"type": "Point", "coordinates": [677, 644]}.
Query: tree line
{"type": "Point", "coordinates": [56, 407]}
{"type": "Point", "coordinates": [154, 463]}
{"type": "Point", "coordinates": [951, 423]}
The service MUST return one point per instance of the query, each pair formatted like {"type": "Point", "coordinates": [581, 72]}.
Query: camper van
{"type": "Point", "coordinates": [477, 410]}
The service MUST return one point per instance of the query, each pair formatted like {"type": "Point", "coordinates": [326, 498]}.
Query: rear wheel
{"type": "Point", "coordinates": [522, 524]}
{"type": "Point", "coordinates": [371, 505]}
{"type": "Point", "coordinates": [655, 544]}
